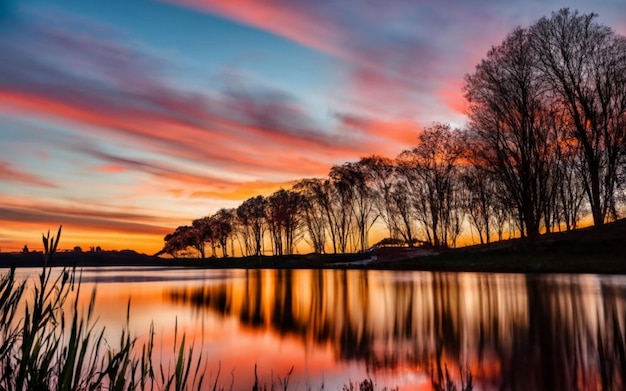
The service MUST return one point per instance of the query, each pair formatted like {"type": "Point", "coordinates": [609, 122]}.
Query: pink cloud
{"type": "Point", "coordinates": [451, 95]}
{"type": "Point", "coordinates": [293, 20]}
{"type": "Point", "coordinates": [391, 51]}
{"type": "Point", "coordinates": [241, 147]}
{"type": "Point", "coordinates": [404, 59]}
{"type": "Point", "coordinates": [249, 131]}
{"type": "Point", "coordinates": [236, 129]}
{"type": "Point", "coordinates": [386, 137]}
{"type": "Point", "coordinates": [111, 169]}
{"type": "Point", "coordinates": [115, 95]}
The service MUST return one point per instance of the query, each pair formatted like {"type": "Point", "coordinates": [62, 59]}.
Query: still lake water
{"type": "Point", "coordinates": [511, 331]}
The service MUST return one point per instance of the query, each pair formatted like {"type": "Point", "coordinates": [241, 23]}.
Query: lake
{"type": "Point", "coordinates": [509, 331]}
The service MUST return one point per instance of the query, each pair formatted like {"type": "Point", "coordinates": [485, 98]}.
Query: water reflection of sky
{"type": "Point", "coordinates": [511, 330]}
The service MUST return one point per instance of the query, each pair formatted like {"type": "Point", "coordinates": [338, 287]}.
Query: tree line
{"type": "Point", "coordinates": [545, 145]}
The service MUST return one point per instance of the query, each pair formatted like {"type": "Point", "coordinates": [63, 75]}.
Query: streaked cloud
{"type": "Point", "coordinates": [113, 125]}
{"type": "Point", "coordinates": [10, 174]}
{"type": "Point", "coordinates": [83, 218]}
{"type": "Point", "coordinates": [412, 55]}
{"type": "Point", "coordinates": [119, 99]}
{"type": "Point", "coordinates": [243, 191]}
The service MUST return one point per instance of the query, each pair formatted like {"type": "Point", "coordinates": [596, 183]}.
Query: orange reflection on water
{"type": "Point", "coordinates": [510, 331]}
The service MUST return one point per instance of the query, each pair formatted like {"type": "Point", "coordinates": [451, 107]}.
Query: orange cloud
{"type": "Point", "coordinates": [17, 235]}
{"type": "Point", "coordinates": [84, 226]}
{"type": "Point", "coordinates": [244, 191]}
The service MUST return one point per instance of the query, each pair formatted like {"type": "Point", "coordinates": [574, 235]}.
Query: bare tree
{"type": "Point", "coordinates": [283, 220]}
{"type": "Point", "coordinates": [569, 186]}
{"type": "Point", "coordinates": [342, 197]}
{"type": "Point", "coordinates": [251, 215]}
{"type": "Point", "coordinates": [355, 192]}
{"type": "Point", "coordinates": [401, 202]}
{"type": "Point", "coordinates": [511, 126]}
{"type": "Point", "coordinates": [480, 200]}
{"type": "Point", "coordinates": [366, 212]}
{"type": "Point", "coordinates": [222, 228]}
{"type": "Point", "coordinates": [203, 230]}
{"type": "Point", "coordinates": [314, 211]}
{"type": "Point", "coordinates": [380, 175]}
{"type": "Point", "coordinates": [583, 66]}
{"type": "Point", "coordinates": [431, 169]}
{"type": "Point", "coordinates": [324, 194]}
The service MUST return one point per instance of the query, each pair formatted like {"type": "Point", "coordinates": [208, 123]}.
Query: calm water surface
{"type": "Point", "coordinates": [512, 331]}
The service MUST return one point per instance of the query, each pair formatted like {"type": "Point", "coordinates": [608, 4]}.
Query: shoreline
{"type": "Point", "coordinates": [490, 263]}
{"type": "Point", "coordinates": [593, 250]}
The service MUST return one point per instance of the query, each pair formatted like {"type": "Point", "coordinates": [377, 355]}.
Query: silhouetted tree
{"type": "Point", "coordinates": [222, 226]}
{"type": "Point", "coordinates": [431, 170]}
{"type": "Point", "coordinates": [203, 228]}
{"type": "Point", "coordinates": [569, 184]}
{"type": "Point", "coordinates": [355, 210]}
{"type": "Point", "coordinates": [402, 215]}
{"type": "Point", "coordinates": [511, 126]}
{"type": "Point", "coordinates": [583, 67]}
{"type": "Point", "coordinates": [283, 220]}
{"type": "Point", "coordinates": [342, 199]}
{"type": "Point", "coordinates": [364, 206]}
{"type": "Point", "coordinates": [480, 200]}
{"type": "Point", "coordinates": [251, 215]}
{"type": "Point", "coordinates": [380, 174]}
{"type": "Point", "coordinates": [314, 211]}
{"type": "Point", "coordinates": [183, 237]}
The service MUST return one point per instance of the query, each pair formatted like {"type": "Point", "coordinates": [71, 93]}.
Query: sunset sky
{"type": "Point", "coordinates": [124, 119]}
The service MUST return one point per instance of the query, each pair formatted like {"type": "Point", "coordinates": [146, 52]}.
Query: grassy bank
{"type": "Point", "coordinates": [600, 250]}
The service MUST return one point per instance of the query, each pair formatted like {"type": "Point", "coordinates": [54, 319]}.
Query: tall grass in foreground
{"type": "Point", "coordinates": [45, 347]}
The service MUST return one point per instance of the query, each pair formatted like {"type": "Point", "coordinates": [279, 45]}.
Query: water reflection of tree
{"type": "Point", "coordinates": [576, 337]}
{"type": "Point", "coordinates": [514, 332]}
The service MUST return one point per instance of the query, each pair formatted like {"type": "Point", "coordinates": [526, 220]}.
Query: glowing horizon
{"type": "Point", "coordinates": [121, 128]}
